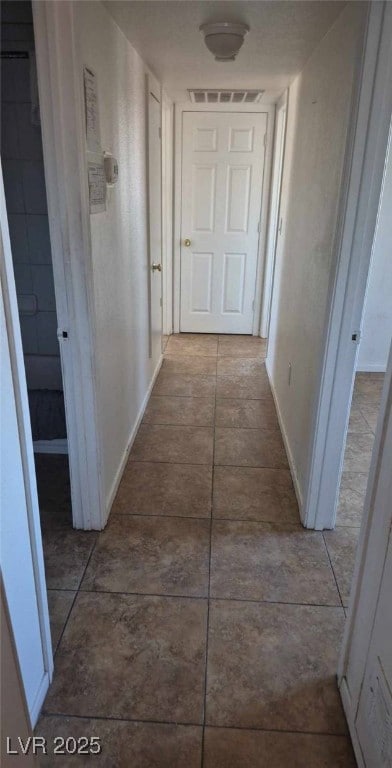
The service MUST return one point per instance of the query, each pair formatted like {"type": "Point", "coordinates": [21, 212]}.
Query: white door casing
{"type": "Point", "coordinates": [155, 216]}
{"type": "Point", "coordinates": [275, 222]}
{"type": "Point", "coordinates": [222, 178]}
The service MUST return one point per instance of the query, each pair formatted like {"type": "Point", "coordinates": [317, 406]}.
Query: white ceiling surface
{"type": "Point", "coordinates": [282, 36]}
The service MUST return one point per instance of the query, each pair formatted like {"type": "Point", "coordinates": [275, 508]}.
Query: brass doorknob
{"type": "Point", "coordinates": [187, 242]}
{"type": "Point", "coordinates": [156, 267]}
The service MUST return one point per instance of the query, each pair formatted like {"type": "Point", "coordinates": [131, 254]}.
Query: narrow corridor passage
{"type": "Point", "coordinates": [205, 622]}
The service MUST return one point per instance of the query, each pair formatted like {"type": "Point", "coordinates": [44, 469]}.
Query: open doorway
{"type": "Point", "coordinates": [27, 213]}
{"type": "Point", "coordinates": [371, 366]}
{"type": "Point", "coordinates": [26, 200]}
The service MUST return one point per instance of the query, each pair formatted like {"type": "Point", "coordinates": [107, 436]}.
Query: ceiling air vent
{"type": "Point", "coordinates": [214, 96]}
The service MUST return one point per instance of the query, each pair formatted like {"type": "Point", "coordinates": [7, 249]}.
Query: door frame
{"type": "Point", "coordinates": [274, 211]}
{"type": "Point", "coordinates": [179, 109]}
{"type": "Point", "coordinates": [61, 107]}
{"type": "Point", "coordinates": [167, 123]}
{"type": "Point", "coordinates": [153, 88]}
{"type": "Point", "coordinates": [361, 189]}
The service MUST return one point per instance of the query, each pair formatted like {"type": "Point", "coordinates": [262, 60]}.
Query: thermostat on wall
{"type": "Point", "coordinates": [111, 168]}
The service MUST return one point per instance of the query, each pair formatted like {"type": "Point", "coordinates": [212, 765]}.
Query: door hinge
{"type": "Point", "coordinates": [259, 226]}
{"type": "Point", "coordinates": [160, 302]}
{"type": "Point", "coordinates": [280, 225]}
{"type": "Point", "coordinates": [160, 132]}
{"type": "Point", "coordinates": [265, 140]}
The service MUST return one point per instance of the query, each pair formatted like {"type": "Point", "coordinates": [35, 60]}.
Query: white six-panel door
{"type": "Point", "coordinates": [222, 177]}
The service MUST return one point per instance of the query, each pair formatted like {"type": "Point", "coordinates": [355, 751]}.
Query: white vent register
{"type": "Point", "coordinates": [216, 96]}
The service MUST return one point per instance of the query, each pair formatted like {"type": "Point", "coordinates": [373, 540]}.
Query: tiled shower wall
{"type": "Point", "coordinates": [21, 154]}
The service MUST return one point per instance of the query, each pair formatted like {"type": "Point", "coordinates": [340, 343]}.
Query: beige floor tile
{"type": "Point", "coordinates": [351, 498]}
{"type": "Point", "coordinates": [151, 555]}
{"type": "Point", "coordinates": [131, 657]}
{"type": "Point", "coordinates": [150, 488]}
{"type": "Point", "coordinates": [369, 385]}
{"type": "Point", "coordinates": [255, 387]}
{"type": "Point", "coordinates": [358, 452]}
{"type": "Point", "coordinates": [124, 744]}
{"type": "Point", "coordinates": [370, 412]}
{"type": "Point", "coordinates": [195, 364]}
{"type": "Point", "coordinates": [357, 422]}
{"type": "Point", "coordinates": [205, 345]}
{"type": "Point", "coordinates": [60, 603]}
{"type": "Point", "coordinates": [241, 366]}
{"type": "Point", "coordinates": [197, 411]}
{"type": "Point", "coordinates": [239, 412]}
{"type": "Point", "coordinates": [239, 748]}
{"type": "Point", "coordinates": [181, 445]}
{"type": "Point", "coordinates": [276, 563]}
{"type": "Point", "coordinates": [342, 547]}
{"type": "Point", "coordinates": [249, 448]}
{"type": "Point", "coordinates": [66, 553]}
{"type": "Point", "coordinates": [274, 667]}
{"type": "Point", "coordinates": [184, 385]}
{"type": "Point", "coordinates": [242, 346]}
{"type": "Point", "coordinates": [247, 493]}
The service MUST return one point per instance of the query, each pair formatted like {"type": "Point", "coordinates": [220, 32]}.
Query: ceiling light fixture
{"type": "Point", "coordinates": [224, 39]}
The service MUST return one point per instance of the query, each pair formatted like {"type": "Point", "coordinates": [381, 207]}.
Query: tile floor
{"type": "Point", "coordinates": [202, 627]}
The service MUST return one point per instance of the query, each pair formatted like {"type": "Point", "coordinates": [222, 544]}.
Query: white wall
{"type": "Point", "coordinates": [118, 236]}
{"type": "Point", "coordinates": [377, 318]}
{"type": "Point", "coordinates": [317, 124]}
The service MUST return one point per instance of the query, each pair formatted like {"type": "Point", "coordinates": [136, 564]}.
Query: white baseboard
{"type": "Point", "coordinates": [348, 711]}
{"type": "Point", "coordinates": [292, 466]}
{"type": "Point", "coordinates": [372, 368]}
{"type": "Point", "coordinates": [120, 471]}
{"type": "Point", "coordinates": [60, 445]}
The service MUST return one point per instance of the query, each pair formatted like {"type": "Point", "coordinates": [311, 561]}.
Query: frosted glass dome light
{"type": "Point", "coordinates": [224, 38]}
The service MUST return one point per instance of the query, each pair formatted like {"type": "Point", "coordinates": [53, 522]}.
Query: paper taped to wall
{"type": "Point", "coordinates": [91, 108]}
{"type": "Point", "coordinates": [97, 186]}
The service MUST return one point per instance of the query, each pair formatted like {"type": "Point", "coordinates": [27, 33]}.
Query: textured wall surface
{"type": "Point", "coordinates": [118, 235]}
{"type": "Point", "coordinates": [318, 118]}
{"type": "Point", "coordinates": [377, 320]}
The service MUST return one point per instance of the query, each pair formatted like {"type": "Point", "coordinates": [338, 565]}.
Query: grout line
{"type": "Point", "coordinates": [333, 570]}
{"type": "Point", "coordinates": [273, 429]}
{"type": "Point", "coordinates": [208, 464]}
{"type": "Point", "coordinates": [209, 591]}
{"type": "Point", "coordinates": [293, 523]}
{"type": "Point", "coordinates": [75, 595]}
{"type": "Point", "coordinates": [181, 723]}
{"type": "Point", "coordinates": [205, 598]}
{"type": "Point", "coordinates": [173, 424]}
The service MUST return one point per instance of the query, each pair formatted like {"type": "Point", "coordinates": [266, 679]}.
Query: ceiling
{"type": "Point", "coordinates": [282, 36]}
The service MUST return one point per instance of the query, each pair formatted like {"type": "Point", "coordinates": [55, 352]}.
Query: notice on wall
{"type": "Point", "coordinates": [93, 137]}
{"type": "Point", "coordinates": [97, 187]}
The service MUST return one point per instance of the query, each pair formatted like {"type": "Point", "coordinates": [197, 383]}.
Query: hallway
{"type": "Point", "coordinates": [205, 622]}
